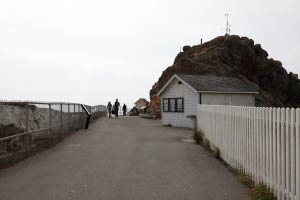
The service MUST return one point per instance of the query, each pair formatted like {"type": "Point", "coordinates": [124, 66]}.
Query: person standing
{"type": "Point", "coordinates": [116, 108]}
{"type": "Point", "coordinates": [124, 109]}
{"type": "Point", "coordinates": [109, 106]}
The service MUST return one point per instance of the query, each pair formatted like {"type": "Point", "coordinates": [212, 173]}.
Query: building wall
{"type": "Point", "coordinates": [228, 99]}
{"type": "Point", "coordinates": [191, 99]}
{"type": "Point", "coordinates": [140, 104]}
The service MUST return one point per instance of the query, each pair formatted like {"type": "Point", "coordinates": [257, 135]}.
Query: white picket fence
{"type": "Point", "coordinates": [261, 142]}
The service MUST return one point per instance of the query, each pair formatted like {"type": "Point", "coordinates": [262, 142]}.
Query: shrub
{"type": "Point", "coordinates": [206, 144]}
{"type": "Point", "coordinates": [198, 136]}
{"type": "Point", "coordinates": [216, 152]}
{"type": "Point", "coordinates": [261, 192]}
{"type": "Point", "coordinates": [246, 179]}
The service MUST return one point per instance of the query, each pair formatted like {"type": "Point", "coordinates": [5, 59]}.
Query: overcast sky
{"type": "Point", "coordinates": [93, 51]}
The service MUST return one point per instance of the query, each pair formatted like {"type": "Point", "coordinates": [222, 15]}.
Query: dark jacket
{"type": "Point", "coordinates": [117, 105]}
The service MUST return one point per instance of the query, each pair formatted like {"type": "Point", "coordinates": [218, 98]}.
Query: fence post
{"type": "Point", "coordinates": [298, 154]}
{"type": "Point", "coordinates": [75, 114]}
{"type": "Point", "coordinates": [287, 152]}
{"type": "Point", "coordinates": [68, 113]}
{"type": "Point", "coordinates": [282, 148]}
{"type": "Point", "coordinates": [272, 130]}
{"type": "Point", "coordinates": [278, 153]}
{"type": "Point", "coordinates": [27, 141]}
{"type": "Point", "coordinates": [293, 163]}
{"type": "Point", "coordinates": [265, 151]}
{"type": "Point", "coordinates": [50, 122]}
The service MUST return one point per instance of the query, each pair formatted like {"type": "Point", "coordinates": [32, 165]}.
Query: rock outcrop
{"type": "Point", "coordinates": [235, 56]}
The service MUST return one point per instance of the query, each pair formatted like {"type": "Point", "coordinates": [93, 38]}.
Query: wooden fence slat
{"type": "Point", "coordinates": [270, 161]}
{"type": "Point", "coordinates": [253, 143]}
{"type": "Point", "coordinates": [272, 125]}
{"type": "Point", "coordinates": [297, 154]}
{"type": "Point", "coordinates": [293, 163]}
{"type": "Point", "coordinates": [264, 140]}
{"type": "Point", "coordinates": [282, 149]}
{"type": "Point", "coordinates": [287, 153]}
{"type": "Point", "coordinates": [278, 152]}
{"type": "Point", "coordinates": [248, 141]}
{"type": "Point", "coordinates": [267, 145]}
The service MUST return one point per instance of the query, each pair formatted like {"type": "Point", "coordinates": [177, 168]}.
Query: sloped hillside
{"type": "Point", "coordinates": [236, 56]}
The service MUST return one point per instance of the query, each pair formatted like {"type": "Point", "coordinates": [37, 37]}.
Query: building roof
{"type": "Point", "coordinates": [214, 84]}
{"type": "Point", "coordinates": [141, 99]}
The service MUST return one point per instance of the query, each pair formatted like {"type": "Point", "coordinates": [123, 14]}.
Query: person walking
{"type": "Point", "coordinates": [124, 109]}
{"type": "Point", "coordinates": [116, 108]}
{"type": "Point", "coordinates": [109, 106]}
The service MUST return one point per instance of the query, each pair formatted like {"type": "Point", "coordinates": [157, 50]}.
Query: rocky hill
{"type": "Point", "coordinates": [235, 56]}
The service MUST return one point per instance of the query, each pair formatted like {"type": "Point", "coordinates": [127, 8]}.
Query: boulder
{"type": "Point", "coordinates": [260, 52]}
{"type": "Point", "coordinates": [186, 48]}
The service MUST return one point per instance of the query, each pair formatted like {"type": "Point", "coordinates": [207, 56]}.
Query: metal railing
{"type": "Point", "coordinates": [28, 127]}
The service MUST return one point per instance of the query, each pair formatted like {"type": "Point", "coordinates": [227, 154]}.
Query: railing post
{"type": "Point", "coordinates": [75, 117]}
{"type": "Point", "coordinates": [68, 118]}
{"type": "Point", "coordinates": [27, 143]}
{"type": "Point", "coordinates": [68, 112]}
{"type": "Point", "coordinates": [50, 122]}
{"type": "Point", "coordinates": [88, 116]}
{"type": "Point", "coordinates": [27, 118]}
{"type": "Point", "coordinates": [61, 122]}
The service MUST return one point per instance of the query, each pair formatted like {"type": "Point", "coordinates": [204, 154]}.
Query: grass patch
{"type": "Point", "coordinates": [261, 192]}
{"type": "Point", "coordinates": [246, 180]}
{"type": "Point", "coordinates": [167, 125]}
{"type": "Point", "coordinates": [216, 152]}
{"type": "Point", "coordinates": [198, 136]}
{"type": "Point", "coordinates": [206, 144]}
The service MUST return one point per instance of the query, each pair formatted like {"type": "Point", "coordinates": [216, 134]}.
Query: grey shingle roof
{"type": "Point", "coordinates": [219, 84]}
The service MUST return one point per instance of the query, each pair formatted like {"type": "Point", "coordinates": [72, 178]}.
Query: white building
{"type": "Point", "coordinates": [141, 103]}
{"type": "Point", "coordinates": [181, 94]}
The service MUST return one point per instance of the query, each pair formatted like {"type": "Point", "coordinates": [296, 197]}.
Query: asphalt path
{"type": "Point", "coordinates": [122, 159]}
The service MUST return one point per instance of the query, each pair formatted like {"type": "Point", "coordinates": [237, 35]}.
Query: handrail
{"type": "Point", "coordinates": [35, 131]}
{"type": "Point", "coordinates": [26, 105]}
{"type": "Point", "coordinates": [87, 123]}
{"type": "Point", "coordinates": [30, 127]}
{"type": "Point", "coordinates": [42, 102]}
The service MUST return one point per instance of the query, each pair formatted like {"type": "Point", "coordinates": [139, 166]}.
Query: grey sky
{"type": "Point", "coordinates": [93, 51]}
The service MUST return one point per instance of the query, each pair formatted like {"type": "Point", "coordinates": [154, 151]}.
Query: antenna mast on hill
{"type": "Point", "coordinates": [228, 29]}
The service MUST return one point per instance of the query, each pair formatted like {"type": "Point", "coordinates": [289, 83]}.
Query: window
{"type": "Point", "coordinates": [173, 105]}
{"type": "Point", "coordinates": [179, 105]}
{"type": "Point", "coordinates": [166, 105]}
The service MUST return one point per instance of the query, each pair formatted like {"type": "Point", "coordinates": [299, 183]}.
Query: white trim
{"type": "Point", "coordinates": [216, 92]}
{"type": "Point", "coordinates": [171, 79]}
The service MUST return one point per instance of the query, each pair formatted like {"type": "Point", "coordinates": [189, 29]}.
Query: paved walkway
{"type": "Point", "coordinates": [122, 159]}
